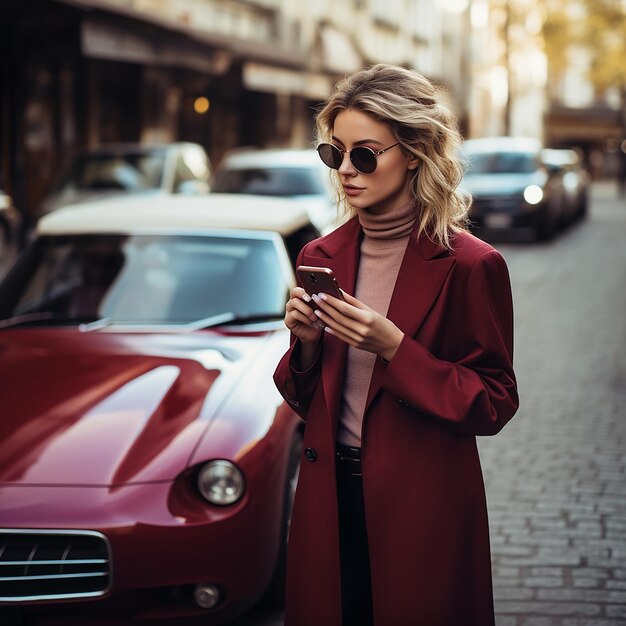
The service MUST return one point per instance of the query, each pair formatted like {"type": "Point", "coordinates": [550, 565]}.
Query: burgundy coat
{"type": "Point", "coordinates": [451, 379]}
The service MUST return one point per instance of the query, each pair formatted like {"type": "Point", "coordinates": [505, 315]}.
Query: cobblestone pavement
{"type": "Point", "coordinates": [556, 475]}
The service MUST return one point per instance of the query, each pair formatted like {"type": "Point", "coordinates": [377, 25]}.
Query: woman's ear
{"type": "Point", "coordinates": [413, 163]}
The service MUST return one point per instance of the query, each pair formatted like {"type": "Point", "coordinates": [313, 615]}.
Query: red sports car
{"type": "Point", "coordinates": [147, 463]}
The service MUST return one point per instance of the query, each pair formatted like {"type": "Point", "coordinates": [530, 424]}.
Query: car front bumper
{"type": "Point", "coordinates": [163, 540]}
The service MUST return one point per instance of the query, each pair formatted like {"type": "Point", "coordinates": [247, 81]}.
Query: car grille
{"type": "Point", "coordinates": [53, 564]}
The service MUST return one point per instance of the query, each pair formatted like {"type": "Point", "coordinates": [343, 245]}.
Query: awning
{"type": "Point", "coordinates": [104, 38]}
{"type": "Point", "coordinates": [266, 78]}
{"type": "Point", "coordinates": [584, 124]}
{"type": "Point", "coordinates": [113, 31]}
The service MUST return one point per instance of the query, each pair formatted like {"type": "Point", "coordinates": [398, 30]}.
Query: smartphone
{"type": "Point", "coordinates": [319, 280]}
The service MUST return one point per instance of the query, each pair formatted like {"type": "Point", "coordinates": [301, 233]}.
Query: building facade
{"type": "Point", "coordinates": [76, 74]}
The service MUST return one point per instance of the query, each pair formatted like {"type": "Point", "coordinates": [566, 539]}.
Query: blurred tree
{"type": "Point", "coordinates": [558, 31]}
{"type": "Point", "coordinates": [604, 36]}
{"type": "Point", "coordinates": [517, 27]}
{"type": "Point", "coordinates": [596, 26]}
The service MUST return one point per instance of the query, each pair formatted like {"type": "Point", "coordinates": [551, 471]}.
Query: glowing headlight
{"type": "Point", "coordinates": [533, 194]}
{"type": "Point", "coordinates": [221, 482]}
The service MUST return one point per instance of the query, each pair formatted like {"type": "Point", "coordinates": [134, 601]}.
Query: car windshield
{"type": "Point", "coordinates": [275, 181]}
{"type": "Point", "coordinates": [128, 172]}
{"type": "Point", "coordinates": [501, 163]}
{"type": "Point", "coordinates": [145, 279]}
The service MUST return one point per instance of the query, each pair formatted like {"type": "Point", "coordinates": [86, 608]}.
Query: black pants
{"type": "Point", "coordinates": [356, 589]}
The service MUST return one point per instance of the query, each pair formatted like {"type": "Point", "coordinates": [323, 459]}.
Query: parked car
{"type": "Point", "coordinates": [10, 222]}
{"type": "Point", "coordinates": [297, 174]}
{"type": "Point", "coordinates": [148, 463]}
{"type": "Point", "coordinates": [572, 179]}
{"type": "Point", "coordinates": [131, 168]}
{"type": "Point", "coordinates": [510, 185]}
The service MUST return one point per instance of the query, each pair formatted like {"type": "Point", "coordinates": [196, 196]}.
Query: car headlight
{"type": "Point", "coordinates": [533, 194]}
{"type": "Point", "coordinates": [221, 482]}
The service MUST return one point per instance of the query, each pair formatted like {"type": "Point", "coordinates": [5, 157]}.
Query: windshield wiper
{"type": "Point", "coordinates": [27, 318]}
{"type": "Point", "coordinates": [98, 324]}
{"type": "Point", "coordinates": [35, 317]}
{"type": "Point", "coordinates": [210, 322]}
{"type": "Point", "coordinates": [234, 318]}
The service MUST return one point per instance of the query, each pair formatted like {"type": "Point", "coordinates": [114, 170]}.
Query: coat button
{"type": "Point", "coordinates": [310, 454]}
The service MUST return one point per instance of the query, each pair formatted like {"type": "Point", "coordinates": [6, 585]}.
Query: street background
{"type": "Point", "coordinates": [80, 74]}
{"type": "Point", "coordinates": [77, 74]}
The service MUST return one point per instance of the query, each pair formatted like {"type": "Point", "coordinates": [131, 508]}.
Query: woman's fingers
{"type": "Point", "coordinates": [343, 312]}
{"type": "Point", "coordinates": [355, 323]}
{"type": "Point", "coordinates": [347, 328]}
{"type": "Point", "coordinates": [353, 301]}
{"type": "Point", "coordinates": [350, 307]}
{"type": "Point", "coordinates": [339, 322]}
{"type": "Point", "coordinates": [300, 318]}
{"type": "Point", "coordinates": [299, 302]}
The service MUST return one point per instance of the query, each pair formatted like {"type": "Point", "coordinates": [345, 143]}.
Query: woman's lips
{"type": "Point", "coordinates": [351, 190]}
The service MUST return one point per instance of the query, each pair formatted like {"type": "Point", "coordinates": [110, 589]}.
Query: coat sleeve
{"type": "Point", "coordinates": [297, 387]}
{"type": "Point", "coordinates": [477, 393]}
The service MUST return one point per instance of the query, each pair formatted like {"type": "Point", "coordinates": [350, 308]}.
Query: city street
{"type": "Point", "coordinates": [556, 475]}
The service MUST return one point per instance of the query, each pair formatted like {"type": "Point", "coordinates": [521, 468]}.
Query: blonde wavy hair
{"type": "Point", "coordinates": [413, 108]}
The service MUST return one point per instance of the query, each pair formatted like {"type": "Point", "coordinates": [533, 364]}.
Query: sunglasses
{"type": "Point", "coordinates": [363, 159]}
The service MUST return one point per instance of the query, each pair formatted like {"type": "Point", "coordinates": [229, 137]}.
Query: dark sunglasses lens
{"type": "Point", "coordinates": [330, 155]}
{"type": "Point", "coordinates": [363, 160]}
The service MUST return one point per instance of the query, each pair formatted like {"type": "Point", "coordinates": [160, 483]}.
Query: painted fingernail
{"type": "Point", "coordinates": [315, 297]}
{"type": "Point", "coordinates": [318, 313]}
{"type": "Point", "coordinates": [322, 296]}
{"type": "Point", "coordinates": [306, 297]}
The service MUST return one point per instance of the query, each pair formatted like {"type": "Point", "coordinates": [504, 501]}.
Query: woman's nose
{"type": "Point", "coordinates": [346, 166]}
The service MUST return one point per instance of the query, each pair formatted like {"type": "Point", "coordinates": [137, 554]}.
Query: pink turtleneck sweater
{"type": "Point", "coordinates": [382, 250]}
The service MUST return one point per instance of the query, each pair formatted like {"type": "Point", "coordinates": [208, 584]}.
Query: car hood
{"type": "Point", "coordinates": [494, 185]}
{"type": "Point", "coordinates": [107, 409]}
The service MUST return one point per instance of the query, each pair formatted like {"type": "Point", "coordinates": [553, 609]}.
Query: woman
{"type": "Point", "coordinates": [389, 524]}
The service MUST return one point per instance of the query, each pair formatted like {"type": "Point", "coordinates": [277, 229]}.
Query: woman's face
{"type": "Point", "coordinates": [387, 187]}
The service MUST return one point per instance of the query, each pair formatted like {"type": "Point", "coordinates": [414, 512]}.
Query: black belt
{"type": "Point", "coordinates": [349, 459]}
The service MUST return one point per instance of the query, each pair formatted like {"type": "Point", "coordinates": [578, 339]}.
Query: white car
{"type": "Point", "coordinates": [297, 174]}
{"type": "Point", "coordinates": [131, 169]}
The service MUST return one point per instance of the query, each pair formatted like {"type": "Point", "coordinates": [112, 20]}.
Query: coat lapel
{"type": "Point", "coordinates": [422, 274]}
{"type": "Point", "coordinates": [340, 252]}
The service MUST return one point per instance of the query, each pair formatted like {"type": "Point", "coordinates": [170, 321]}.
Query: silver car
{"type": "Point", "coordinates": [296, 174]}
{"type": "Point", "coordinates": [572, 178]}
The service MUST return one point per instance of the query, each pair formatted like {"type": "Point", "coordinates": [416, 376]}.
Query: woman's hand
{"type": "Point", "coordinates": [300, 318]}
{"type": "Point", "coordinates": [303, 324]}
{"type": "Point", "coordinates": [358, 325]}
